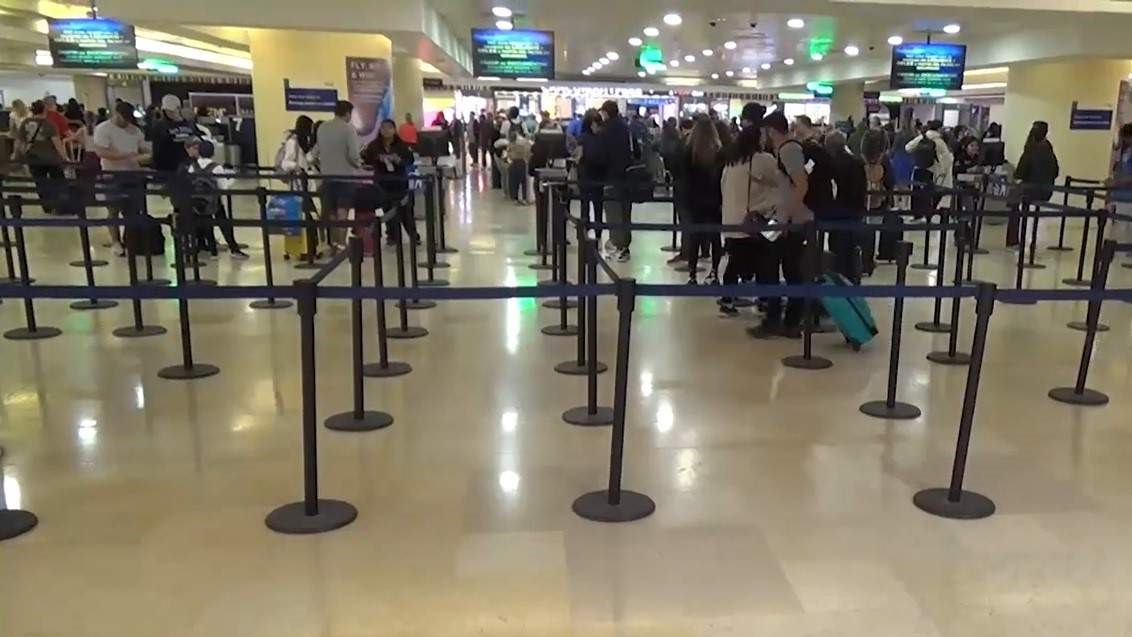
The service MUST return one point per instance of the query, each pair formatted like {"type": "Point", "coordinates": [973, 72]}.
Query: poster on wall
{"type": "Point", "coordinates": [369, 87]}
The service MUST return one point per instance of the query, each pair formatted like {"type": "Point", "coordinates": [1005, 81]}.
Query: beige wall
{"type": "Point", "coordinates": [309, 59]}
{"type": "Point", "coordinates": [91, 91]}
{"type": "Point", "coordinates": [1046, 91]}
{"type": "Point", "coordinates": [408, 91]}
{"type": "Point", "coordinates": [848, 100]}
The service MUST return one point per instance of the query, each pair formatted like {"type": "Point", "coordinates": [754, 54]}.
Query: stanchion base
{"type": "Point", "coordinates": [293, 519]}
{"type": "Point", "coordinates": [558, 330]}
{"type": "Point", "coordinates": [898, 411]}
{"type": "Point", "coordinates": [14, 522]}
{"type": "Point", "coordinates": [392, 368]}
{"type": "Point", "coordinates": [93, 304]}
{"type": "Point", "coordinates": [980, 251]}
{"type": "Point", "coordinates": [947, 358]}
{"type": "Point", "coordinates": [180, 372]}
{"type": "Point", "coordinates": [131, 331]}
{"type": "Point", "coordinates": [370, 421]}
{"type": "Point", "coordinates": [275, 304]}
{"type": "Point", "coordinates": [304, 265]}
{"type": "Point", "coordinates": [933, 327]}
{"type": "Point", "coordinates": [1033, 266]}
{"type": "Point", "coordinates": [1017, 301]}
{"type": "Point", "coordinates": [813, 362]}
{"type": "Point", "coordinates": [670, 248]}
{"type": "Point", "coordinates": [409, 332]}
{"type": "Point", "coordinates": [417, 304]}
{"type": "Point", "coordinates": [1126, 265]}
{"type": "Point", "coordinates": [24, 334]}
{"type": "Point", "coordinates": [684, 266]}
{"type": "Point", "coordinates": [556, 304]}
{"type": "Point", "coordinates": [1060, 248]}
{"type": "Point", "coordinates": [541, 266]}
{"type": "Point", "coordinates": [434, 283]}
{"type": "Point", "coordinates": [1077, 283]}
{"type": "Point", "coordinates": [581, 416]}
{"type": "Point", "coordinates": [1069, 395]}
{"type": "Point", "coordinates": [535, 252]}
{"type": "Point", "coordinates": [924, 266]}
{"type": "Point", "coordinates": [1082, 326]}
{"type": "Point", "coordinates": [155, 282]}
{"type": "Point", "coordinates": [94, 263]}
{"type": "Point", "coordinates": [447, 250]}
{"type": "Point", "coordinates": [595, 506]}
{"type": "Point", "coordinates": [573, 368]}
{"type": "Point", "coordinates": [437, 265]}
{"type": "Point", "coordinates": [971, 505]}
{"type": "Point", "coordinates": [202, 282]}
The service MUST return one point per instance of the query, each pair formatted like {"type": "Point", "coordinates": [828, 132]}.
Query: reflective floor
{"type": "Point", "coordinates": [781, 510]}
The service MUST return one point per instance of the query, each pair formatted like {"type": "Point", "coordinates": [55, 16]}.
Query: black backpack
{"type": "Point", "coordinates": [819, 193]}
{"type": "Point", "coordinates": [924, 155]}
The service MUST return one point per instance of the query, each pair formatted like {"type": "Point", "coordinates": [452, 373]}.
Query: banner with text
{"type": "Point", "coordinates": [369, 86]}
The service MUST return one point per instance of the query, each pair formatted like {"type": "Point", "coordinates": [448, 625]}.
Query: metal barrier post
{"type": "Point", "coordinates": [560, 276]}
{"type": "Point", "coordinates": [84, 244]}
{"type": "Point", "coordinates": [955, 502]}
{"type": "Point", "coordinates": [383, 368]}
{"type": "Point", "coordinates": [1020, 265]}
{"type": "Point", "coordinates": [540, 220]}
{"type": "Point", "coordinates": [935, 326]}
{"type": "Point", "coordinates": [13, 522]}
{"type": "Point", "coordinates": [1079, 394]}
{"type": "Point", "coordinates": [672, 246]}
{"type": "Point", "coordinates": [358, 419]}
{"type": "Point", "coordinates": [926, 264]}
{"type": "Point", "coordinates": [430, 263]}
{"type": "Point", "coordinates": [149, 278]}
{"type": "Point", "coordinates": [580, 366]}
{"type": "Point", "coordinates": [6, 242]}
{"type": "Point", "coordinates": [442, 207]}
{"type": "Point", "coordinates": [404, 330]}
{"type": "Point", "coordinates": [590, 415]}
{"type": "Point", "coordinates": [188, 369]}
{"type": "Point", "coordinates": [807, 360]}
{"type": "Point", "coordinates": [139, 329]}
{"type": "Point", "coordinates": [32, 330]}
{"type": "Point", "coordinates": [1031, 264]}
{"type": "Point", "coordinates": [981, 208]}
{"type": "Point", "coordinates": [88, 266]}
{"type": "Point", "coordinates": [270, 303]}
{"type": "Point", "coordinates": [310, 233]}
{"type": "Point", "coordinates": [889, 408]}
{"type": "Point", "coordinates": [549, 218]}
{"type": "Point", "coordinates": [615, 504]}
{"type": "Point", "coordinates": [1102, 217]}
{"type": "Point", "coordinates": [1080, 280]}
{"type": "Point", "coordinates": [312, 514]}
{"type": "Point", "coordinates": [1061, 247]}
{"type": "Point", "coordinates": [952, 356]}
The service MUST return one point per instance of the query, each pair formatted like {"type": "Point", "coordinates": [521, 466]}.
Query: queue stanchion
{"type": "Point", "coordinates": [139, 329]}
{"type": "Point", "coordinates": [560, 276]}
{"type": "Point", "coordinates": [31, 330]}
{"type": "Point", "coordinates": [1098, 250]}
{"type": "Point", "coordinates": [1061, 247]}
{"type": "Point", "coordinates": [548, 250]}
{"type": "Point", "coordinates": [981, 208]}
{"type": "Point", "coordinates": [1080, 280]}
{"type": "Point", "coordinates": [953, 356]}
{"type": "Point", "coordinates": [1020, 264]}
{"type": "Point", "coordinates": [442, 246]}
{"type": "Point", "coordinates": [384, 367]}
{"type": "Point", "coordinates": [406, 212]}
{"type": "Point", "coordinates": [1031, 263]}
{"type": "Point", "coordinates": [358, 419]}
{"type": "Point", "coordinates": [188, 369]}
{"type": "Point", "coordinates": [430, 263]}
{"type": "Point", "coordinates": [556, 238]}
{"type": "Point", "coordinates": [8, 244]}
{"type": "Point", "coordinates": [953, 501]}
{"type": "Point", "coordinates": [87, 261]}
{"type": "Point", "coordinates": [890, 408]}
{"type": "Point", "coordinates": [312, 514]}
{"type": "Point", "coordinates": [590, 414]}
{"type": "Point", "coordinates": [581, 365]}
{"type": "Point", "coordinates": [270, 303]}
{"type": "Point", "coordinates": [809, 313]}
{"type": "Point", "coordinates": [310, 232]}
{"type": "Point", "coordinates": [404, 330]}
{"type": "Point", "coordinates": [193, 259]}
{"type": "Point", "coordinates": [673, 246]}
{"type": "Point", "coordinates": [13, 522]}
{"type": "Point", "coordinates": [88, 270]}
{"type": "Point", "coordinates": [614, 504]}
{"type": "Point", "coordinates": [540, 220]}
{"type": "Point", "coordinates": [149, 278]}
{"type": "Point", "coordinates": [926, 263]}
{"type": "Point", "coordinates": [935, 326]}
{"type": "Point", "coordinates": [1079, 394]}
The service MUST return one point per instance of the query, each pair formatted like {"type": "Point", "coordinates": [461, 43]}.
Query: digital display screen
{"type": "Point", "coordinates": [929, 66]}
{"type": "Point", "coordinates": [78, 43]}
{"type": "Point", "coordinates": [512, 54]}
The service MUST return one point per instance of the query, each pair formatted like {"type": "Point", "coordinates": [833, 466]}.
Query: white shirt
{"type": "Point", "coordinates": [119, 140]}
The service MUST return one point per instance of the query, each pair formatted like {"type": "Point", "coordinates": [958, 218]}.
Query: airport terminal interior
{"type": "Point", "coordinates": [187, 482]}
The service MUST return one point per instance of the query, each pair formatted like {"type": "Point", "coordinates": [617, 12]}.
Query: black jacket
{"type": "Point", "coordinates": [699, 186]}
{"type": "Point", "coordinates": [393, 182]}
{"type": "Point", "coordinates": [852, 185]}
{"type": "Point", "coordinates": [1038, 164]}
{"type": "Point", "coordinates": [613, 150]}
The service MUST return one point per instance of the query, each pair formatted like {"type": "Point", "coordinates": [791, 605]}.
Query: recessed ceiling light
{"type": "Point", "coordinates": [788, 61]}
{"type": "Point", "coordinates": [895, 40]}
{"type": "Point", "coordinates": [651, 32]}
{"type": "Point", "coordinates": [613, 55]}
{"type": "Point", "coordinates": [746, 69]}
{"type": "Point", "coordinates": [730, 45]}
{"type": "Point", "coordinates": [635, 41]}
{"type": "Point", "coordinates": [852, 51]}
{"type": "Point", "coordinates": [715, 76]}
{"type": "Point", "coordinates": [501, 12]}
{"type": "Point", "coordinates": [651, 70]}
{"type": "Point", "coordinates": [708, 52]}
{"type": "Point", "coordinates": [817, 57]}
{"type": "Point", "coordinates": [689, 58]}
{"type": "Point", "coordinates": [730, 73]}
{"type": "Point", "coordinates": [795, 23]}
{"type": "Point", "coordinates": [952, 29]}
{"type": "Point", "coordinates": [640, 73]}
{"type": "Point", "coordinates": [674, 63]}
{"type": "Point", "coordinates": [504, 25]}
{"type": "Point", "coordinates": [604, 60]}
{"type": "Point", "coordinates": [673, 19]}
{"type": "Point", "coordinates": [765, 66]}
{"type": "Point", "coordinates": [586, 71]}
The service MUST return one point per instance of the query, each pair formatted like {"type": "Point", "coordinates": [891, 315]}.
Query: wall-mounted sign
{"type": "Point", "coordinates": [316, 100]}
{"type": "Point", "coordinates": [78, 43]}
{"type": "Point", "coordinates": [512, 54]}
{"type": "Point", "coordinates": [369, 86]}
{"type": "Point", "coordinates": [928, 66]}
{"type": "Point", "coordinates": [1090, 117]}
{"type": "Point", "coordinates": [433, 83]}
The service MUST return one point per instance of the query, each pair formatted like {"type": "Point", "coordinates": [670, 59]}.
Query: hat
{"type": "Point", "coordinates": [752, 112]}
{"type": "Point", "coordinates": [170, 103]}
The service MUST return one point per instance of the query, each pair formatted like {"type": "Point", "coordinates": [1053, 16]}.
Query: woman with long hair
{"type": "Point", "coordinates": [700, 172]}
{"type": "Point", "coordinates": [391, 159]}
{"type": "Point", "coordinates": [1037, 171]}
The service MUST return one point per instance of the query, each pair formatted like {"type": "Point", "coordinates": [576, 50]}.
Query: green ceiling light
{"type": "Point", "coordinates": [820, 89]}
{"type": "Point", "coordinates": [159, 66]}
{"type": "Point", "coordinates": [650, 57]}
{"type": "Point", "coordinates": [820, 45]}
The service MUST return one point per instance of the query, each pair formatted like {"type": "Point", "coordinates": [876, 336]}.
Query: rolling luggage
{"type": "Point", "coordinates": [887, 245]}
{"type": "Point", "coordinates": [290, 208]}
{"type": "Point", "coordinates": [145, 239]}
{"type": "Point", "coordinates": [851, 314]}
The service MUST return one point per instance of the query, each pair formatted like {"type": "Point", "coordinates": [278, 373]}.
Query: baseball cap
{"type": "Point", "coordinates": [752, 112]}
{"type": "Point", "coordinates": [170, 103]}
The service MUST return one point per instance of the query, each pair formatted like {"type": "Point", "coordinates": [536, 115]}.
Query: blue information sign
{"type": "Point", "coordinates": [938, 66]}
{"type": "Point", "coordinates": [319, 100]}
{"type": "Point", "coordinates": [1086, 118]}
{"type": "Point", "coordinates": [512, 54]}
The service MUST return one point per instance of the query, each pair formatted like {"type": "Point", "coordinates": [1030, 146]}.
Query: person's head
{"type": "Point", "coordinates": [609, 110]}
{"type": "Point", "coordinates": [777, 128]}
{"type": "Point", "coordinates": [513, 113]}
{"type": "Point", "coordinates": [304, 126]}
{"type": "Point", "coordinates": [408, 118]}
{"type": "Point", "coordinates": [671, 124]}
{"type": "Point", "coordinates": [202, 112]}
{"type": "Point", "coordinates": [19, 108]}
{"type": "Point", "coordinates": [1038, 133]}
{"type": "Point", "coordinates": [752, 115]}
{"type": "Point", "coordinates": [343, 110]}
{"type": "Point", "coordinates": [171, 107]}
{"type": "Point", "coordinates": [388, 131]}
{"type": "Point", "coordinates": [51, 101]}
{"type": "Point", "coordinates": [124, 115]}
{"type": "Point", "coordinates": [39, 108]}
{"type": "Point", "coordinates": [873, 145]}
{"type": "Point", "coordinates": [835, 143]}
{"type": "Point", "coordinates": [933, 125]}
{"type": "Point", "coordinates": [994, 131]}
{"type": "Point", "coordinates": [803, 127]}
{"type": "Point", "coordinates": [970, 146]}
{"type": "Point", "coordinates": [704, 142]}
{"type": "Point", "coordinates": [1126, 136]}
{"type": "Point", "coordinates": [686, 125]}
{"type": "Point", "coordinates": [193, 147]}
{"type": "Point", "coordinates": [590, 121]}
{"type": "Point", "coordinates": [723, 129]}
{"type": "Point", "coordinates": [874, 123]}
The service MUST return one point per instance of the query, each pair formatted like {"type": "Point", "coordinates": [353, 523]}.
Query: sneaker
{"type": "Point", "coordinates": [712, 278]}
{"type": "Point", "coordinates": [238, 254]}
{"type": "Point", "coordinates": [692, 280]}
{"type": "Point", "coordinates": [727, 307]}
{"type": "Point", "coordinates": [610, 249]}
{"type": "Point", "coordinates": [679, 258]}
{"type": "Point", "coordinates": [119, 250]}
{"type": "Point", "coordinates": [623, 256]}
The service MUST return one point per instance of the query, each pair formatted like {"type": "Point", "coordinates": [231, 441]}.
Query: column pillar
{"type": "Point", "coordinates": [90, 90]}
{"type": "Point", "coordinates": [1046, 91]}
{"type": "Point", "coordinates": [408, 89]}
{"type": "Point", "coordinates": [848, 101]}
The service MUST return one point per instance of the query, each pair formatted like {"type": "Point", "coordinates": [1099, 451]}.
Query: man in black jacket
{"type": "Point", "coordinates": [849, 205]}
{"type": "Point", "coordinates": [615, 154]}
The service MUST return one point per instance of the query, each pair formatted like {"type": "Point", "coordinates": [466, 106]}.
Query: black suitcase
{"type": "Point", "coordinates": [886, 248]}
{"type": "Point", "coordinates": [146, 239]}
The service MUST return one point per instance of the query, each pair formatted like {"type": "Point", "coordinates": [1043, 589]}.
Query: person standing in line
{"type": "Point", "coordinates": [120, 146]}
{"type": "Point", "coordinates": [1037, 171]}
{"type": "Point", "coordinates": [932, 161]}
{"type": "Point", "coordinates": [1119, 197]}
{"type": "Point", "coordinates": [486, 132]}
{"type": "Point", "coordinates": [391, 159]}
{"type": "Point", "coordinates": [699, 171]}
{"type": "Point", "coordinates": [614, 150]}
{"type": "Point", "coordinates": [590, 172]}
{"type": "Point", "coordinates": [879, 180]}
{"type": "Point", "coordinates": [54, 115]}
{"type": "Point", "coordinates": [473, 141]}
{"type": "Point", "coordinates": [408, 130]}
{"type": "Point", "coordinates": [19, 113]}
{"type": "Point", "coordinates": [672, 153]}
{"type": "Point", "coordinates": [297, 145]}
{"type": "Point", "coordinates": [849, 205]}
{"type": "Point", "coordinates": [170, 133]}
{"type": "Point", "coordinates": [38, 143]}
{"type": "Point", "coordinates": [338, 155]}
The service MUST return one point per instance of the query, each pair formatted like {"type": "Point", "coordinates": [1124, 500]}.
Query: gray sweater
{"type": "Point", "coordinates": [337, 148]}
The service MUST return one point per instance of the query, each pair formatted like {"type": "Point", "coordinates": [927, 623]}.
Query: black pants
{"type": "Point", "coordinates": [49, 182]}
{"type": "Point", "coordinates": [845, 246]}
{"type": "Point", "coordinates": [408, 219]}
{"type": "Point", "coordinates": [701, 239]}
{"type": "Point", "coordinates": [517, 179]}
{"type": "Point", "coordinates": [924, 199]}
{"type": "Point", "coordinates": [591, 208]}
{"type": "Point", "coordinates": [1031, 199]}
{"type": "Point", "coordinates": [226, 229]}
{"type": "Point", "coordinates": [785, 254]}
{"type": "Point", "coordinates": [742, 259]}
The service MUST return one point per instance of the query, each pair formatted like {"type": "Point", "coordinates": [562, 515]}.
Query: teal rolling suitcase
{"type": "Point", "coordinates": [850, 313]}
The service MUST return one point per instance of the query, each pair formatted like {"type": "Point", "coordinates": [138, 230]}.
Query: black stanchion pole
{"type": "Point", "coordinates": [807, 360]}
{"type": "Point", "coordinates": [1061, 247]}
{"type": "Point", "coordinates": [590, 415]}
{"type": "Point", "coordinates": [139, 329]}
{"type": "Point", "coordinates": [1080, 280]}
{"type": "Point", "coordinates": [955, 502]}
{"type": "Point", "coordinates": [934, 326]}
{"type": "Point", "coordinates": [404, 330]}
{"type": "Point", "coordinates": [615, 504]}
{"type": "Point", "coordinates": [13, 522]}
{"type": "Point", "coordinates": [270, 303]}
{"type": "Point", "coordinates": [442, 207]}
{"type": "Point", "coordinates": [1079, 394]}
{"type": "Point", "coordinates": [952, 356]}
{"type": "Point", "coordinates": [84, 245]}
{"type": "Point", "coordinates": [540, 220]}
{"type": "Point", "coordinates": [88, 267]}
{"type": "Point", "coordinates": [188, 369]}
{"type": "Point", "coordinates": [357, 419]}
{"type": "Point", "coordinates": [1102, 217]}
{"type": "Point", "coordinates": [560, 276]}
{"type": "Point", "coordinates": [310, 233]}
{"type": "Point", "coordinates": [6, 241]}
{"type": "Point", "coordinates": [1020, 264]}
{"type": "Point", "coordinates": [430, 263]}
{"type": "Point", "coordinates": [1031, 263]}
{"type": "Point", "coordinates": [981, 207]}
{"type": "Point", "coordinates": [312, 514]}
{"type": "Point", "coordinates": [555, 237]}
{"type": "Point", "coordinates": [383, 368]}
{"type": "Point", "coordinates": [889, 408]}
{"type": "Point", "coordinates": [672, 246]}
{"type": "Point", "coordinates": [32, 330]}
{"type": "Point", "coordinates": [406, 213]}
{"type": "Point", "coordinates": [926, 264]}
{"type": "Point", "coordinates": [149, 278]}
{"type": "Point", "coordinates": [550, 216]}
{"type": "Point", "coordinates": [581, 366]}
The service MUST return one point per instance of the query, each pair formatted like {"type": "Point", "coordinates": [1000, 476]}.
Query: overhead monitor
{"type": "Point", "coordinates": [928, 66]}
{"type": "Point", "coordinates": [81, 43]}
{"type": "Point", "coordinates": [513, 54]}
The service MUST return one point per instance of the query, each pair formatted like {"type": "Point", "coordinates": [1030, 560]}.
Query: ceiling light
{"type": "Point", "coordinates": [635, 41]}
{"type": "Point", "coordinates": [673, 19]}
{"type": "Point", "coordinates": [708, 52]}
{"type": "Point", "coordinates": [603, 60]}
{"type": "Point", "coordinates": [640, 73]}
{"type": "Point", "coordinates": [952, 29]}
{"type": "Point", "coordinates": [746, 69]}
{"type": "Point", "coordinates": [730, 45]}
{"type": "Point", "coordinates": [795, 23]}
{"type": "Point", "coordinates": [817, 57]}
{"type": "Point", "coordinates": [674, 63]}
{"type": "Point", "coordinates": [765, 66]}
{"type": "Point", "coordinates": [895, 40]}
{"type": "Point", "coordinates": [501, 12]}
{"type": "Point", "coordinates": [788, 61]}
{"type": "Point", "coordinates": [651, 70]}
{"type": "Point", "coordinates": [852, 51]}
{"type": "Point", "coordinates": [613, 55]}
{"type": "Point", "coordinates": [651, 32]}
{"type": "Point", "coordinates": [689, 58]}
{"type": "Point", "coordinates": [715, 76]}
{"type": "Point", "coordinates": [504, 25]}
{"type": "Point", "coordinates": [730, 73]}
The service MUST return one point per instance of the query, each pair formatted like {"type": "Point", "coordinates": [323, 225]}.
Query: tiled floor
{"type": "Point", "coordinates": [781, 510]}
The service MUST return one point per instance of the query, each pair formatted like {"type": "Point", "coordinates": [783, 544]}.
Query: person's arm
{"type": "Point", "coordinates": [290, 161]}
{"type": "Point", "coordinates": [911, 146]}
{"type": "Point", "coordinates": [1056, 166]}
{"type": "Point", "coordinates": [57, 142]}
{"type": "Point", "coordinates": [794, 161]}
{"type": "Point", "coordinates": [1022, 170]}
{"type": "Point", "coordinates": [101, 145]}
{"type": "Point", "coordinates": [353, 153]}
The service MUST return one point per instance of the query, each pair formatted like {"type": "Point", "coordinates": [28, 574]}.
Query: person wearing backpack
{"type": "Point", "coordinates": [207, 178]}
{"type": "Point", "coordinates": [292, 157]}
{"type": "Point", "coordinates": [932, 161]}
{"type": "Point", "coordinates": [849, 205]}
{"type": "Point", "coordinates": [879, 183]}
{"type": "Point", "coordinates": [613, 153]}
{"type": "Point", "coordinates": [38, 143]}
